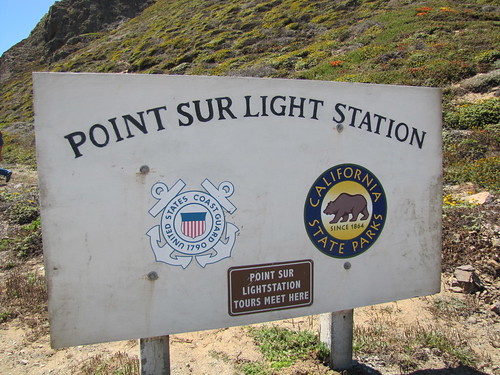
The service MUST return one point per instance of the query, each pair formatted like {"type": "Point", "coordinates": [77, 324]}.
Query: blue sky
{"type": "Point", "coordinates": [18, 18]}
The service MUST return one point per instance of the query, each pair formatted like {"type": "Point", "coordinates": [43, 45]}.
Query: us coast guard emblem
{"type": "Point", "coordinates": [193, 224]}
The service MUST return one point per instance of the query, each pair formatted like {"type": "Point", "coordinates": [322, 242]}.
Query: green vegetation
{"type": "Point", "coordinates": [19, 145]}
{"type": "Point", "coordinates": [407, 346]}
{"type": "Point", "coordinates": [21, 209]}
{"type": "Point", "coordinates": [475, 115]}
{"type": "Point", "coordinates": [483, 172]}
{"type": "Point", "coordinates": [282, 347]}
{"type": "Point", "coordinates": [255, 368]}
{"type": "Point", "coordinates": [473, 156]}
{"type": "Point", "coordinates": [435, 43]}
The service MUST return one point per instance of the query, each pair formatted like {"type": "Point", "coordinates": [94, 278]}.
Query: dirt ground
{"type": "Point", "coordinates": [218, 351]}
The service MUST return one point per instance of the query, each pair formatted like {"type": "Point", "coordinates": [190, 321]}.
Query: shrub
{"type": "Point", "coordinates": [21, 213]}
{"type": "Point", "coordinates": [283, 347]}
{"type": "Point", "coordinates": [482, 82]}
{"type": "Point", "coordinates": [441, 72]}
{"type": "Point", "coordinates": [144, 63]}
{"type": "Point", "coordinates": [484, 172]}
{"type": "Point", "coordinates": [475, 115]}
{"type": "Point", "coordinates": [19, 145]}
{"type": "Point", "coordinates": [30, 245]}
{"type": "Point", "coordinates": [488, 57]}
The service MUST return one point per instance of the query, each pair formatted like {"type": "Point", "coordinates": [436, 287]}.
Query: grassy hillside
{"type": "Point", "coordinates": [377, 41]}
{"type": "Point", "coordinates": [433, 43]}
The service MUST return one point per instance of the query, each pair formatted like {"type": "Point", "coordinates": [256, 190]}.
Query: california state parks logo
{"type": "Point", "coordinates": [192, 224]}
{"type": "Point", "coordinates": [345, 211]}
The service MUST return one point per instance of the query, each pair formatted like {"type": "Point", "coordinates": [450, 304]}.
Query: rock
{"type": "Point", "coordinates": [483, 82]}
{"type": "Point", "coordinates": [472, 320]}
{"type": "Point", "coordinates": [495, 242]}
{"type": "Point", "coordinates": [436, 352]}
{"type": "Point", "coordinates": [67, 27]}
{"type": "Point", "coordinates": [494, 266]}
{"type": "Point", "coordinates": [496, 308]}
{"type": "Point", "coordinates": [69, 19]}
{"type": "Point", "coordinates": [180, 68]}
{"type": "Point", "coordinates": [466, 280]}
{"type": "Point", "coordinates": [479, 198]}
{"type": "Point", "coordinates": [467, 268]}
{"type": "Point", "coordinates": [464, 276]}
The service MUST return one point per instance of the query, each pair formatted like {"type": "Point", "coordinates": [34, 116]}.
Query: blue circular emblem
{"type": "Point", "coordinates": [193, 222]}
{"type": "Point", "coordinates": [345, 211]}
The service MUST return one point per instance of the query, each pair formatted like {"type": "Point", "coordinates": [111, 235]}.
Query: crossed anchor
{"type": "Point", "coordinates": [221, 250]}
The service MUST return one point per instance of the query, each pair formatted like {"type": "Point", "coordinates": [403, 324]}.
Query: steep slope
{"type": "Point", "coordinates": [69, 26]}
{"type": "Point", "coordinates": [432, 43]}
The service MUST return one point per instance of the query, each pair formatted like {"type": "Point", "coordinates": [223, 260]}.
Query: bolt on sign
{"type": "Point", "coordinates": [181, 203]}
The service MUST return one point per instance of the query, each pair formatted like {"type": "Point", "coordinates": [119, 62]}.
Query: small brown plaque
{"type": "Point", "coordinates": [267, 287]}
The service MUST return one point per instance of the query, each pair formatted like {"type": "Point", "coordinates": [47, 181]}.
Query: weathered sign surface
{"type": "Point", "coordinates": [183, 203]}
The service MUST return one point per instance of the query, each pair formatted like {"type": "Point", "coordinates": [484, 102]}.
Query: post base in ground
{"type": "Point", "coordinates": [336, 331]}
{"type": "Point", "coordinates": [155, 356]}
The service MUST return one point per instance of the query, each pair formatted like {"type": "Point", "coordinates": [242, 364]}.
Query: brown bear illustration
{"type": "Point", "coordinates": [346, 204]}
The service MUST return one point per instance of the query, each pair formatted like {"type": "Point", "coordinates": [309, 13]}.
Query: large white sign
{"type": "Point", "coordinates": [182, 203]}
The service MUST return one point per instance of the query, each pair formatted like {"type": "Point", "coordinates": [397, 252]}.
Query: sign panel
{"type": "Point", "coordinates": [170, 203]}
{"type": "Point", "coordinates": [268, 287]}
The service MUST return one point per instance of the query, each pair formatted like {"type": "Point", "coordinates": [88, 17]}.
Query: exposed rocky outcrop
{"type": "Point", "coordinates": [68, 25]}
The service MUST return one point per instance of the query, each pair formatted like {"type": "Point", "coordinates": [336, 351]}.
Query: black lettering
{"type": "Point", "coordinates": [379, 119]}
{"type": "Point", "coordinates": [156, 111]}
{"type": "Point", "coordinates": [247, 112]}
{"type": "Point", "coordinates": [93, 137]}
{"type": "Point", "coordinates": [414, 135]}
{"type": "Point", "coordinates": [283, 107]}
{"type": "Point", "coordinates": [406, 132]}
{"type": "Point", "coordinates": [115, 128]}
{"type": "Point", "coordinates": [340, 113]}
{"type": "Point", "coordinates": [354, 113]}
{"type": "Point", "coordinates": [76, 144]}
{"type": "Point", "coordinates": [389, 131]}
{"type": "Point", "coordinates": [199, 115]}
{"type": "Point", "coordinates": [366, 121]}
{"type": "Point", "coordinates": [299, 106]}
{"type": "Point", "coordinates": [315, 107]}
{"type": "Point", "coordinates": [264, 104]}
{"type": "Point", "coordinates": [139, 125]}
{"type": "Point", "coordinates": [224, 108]}
{"type": "Point", "coordinates": [185, 114]}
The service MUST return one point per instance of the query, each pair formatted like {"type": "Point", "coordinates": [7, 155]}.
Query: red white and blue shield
{"type": "Point", "coordinates": [193, 223]}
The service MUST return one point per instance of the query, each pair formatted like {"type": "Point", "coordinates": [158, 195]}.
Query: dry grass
{"type": "Point", "coordinates": [103, 364]}
{"type": "Point", "coordinates": [408, 346]}
{"type": "Point", "coordinates": [23, 295]}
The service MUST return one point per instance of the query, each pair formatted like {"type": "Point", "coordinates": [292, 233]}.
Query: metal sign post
{"type": "Point", "coordinates": [336, 331]}
{"type": "Point", "coordinates": [155, 356]}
